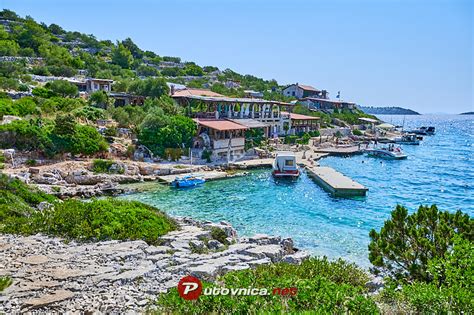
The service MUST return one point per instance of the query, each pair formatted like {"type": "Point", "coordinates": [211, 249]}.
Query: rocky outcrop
{"type": "Point", "coordinates": [50, 274]}
{"type": "Point", "coordinates": [76, 178]}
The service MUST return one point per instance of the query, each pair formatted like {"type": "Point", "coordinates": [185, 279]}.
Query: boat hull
{"type": "Point", "coordinates": [187, 183]}
{"type": "Point", "coordinates": [386, 155]}
{"type": "Point", "coordinates": [286, 174]}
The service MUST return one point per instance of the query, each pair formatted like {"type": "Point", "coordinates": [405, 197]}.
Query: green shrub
{"type": "Point", "coordinates": [322, 287]}
{"type": "Point", "coordinates": [5, 282]}
{"type": "Point", "coordinates": [451, 290]}
{"type": "Point", "coordinates": [88, 221]}
{"type": "Point", "coordinates": [173, 154]}
{"type": "Point", "coordinates": [104, 220]}
{"type": "Point", "coordinates": [73, 219]}
{"type": "Point", "coordinates": [357, 132]}
{"type": "Point", "coordinates": [406, 242]}
{"type": "Point", "coordinates": [291, 139]}
{"type": "Point", "coordinates": [206, 155]}
{"type": "Point", "coordinates": [27, 194]}
{"type": "Point", "coordinates": [101, 166]}
{"type": "Point", "coordinates": [219, 235]}
{"type": "Point", "coordinates": [31, 162]}
{"type": "Point", "coordinates": [111, 132]}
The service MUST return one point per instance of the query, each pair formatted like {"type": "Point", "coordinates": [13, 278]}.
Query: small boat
{"type": "Point", "coordinates": [187, 181]}
{"type": "Point", "coordinates": [424, 131]}
{"type": "Point", "coordinates": [390, 153]}
{"type": "Point", "coordinates": [284, 165]}
{"type": "Point", "coordinates": [409, 138]}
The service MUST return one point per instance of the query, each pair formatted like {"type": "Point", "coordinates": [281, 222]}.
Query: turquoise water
{"type": "Point", "coordinates": [440, 170]}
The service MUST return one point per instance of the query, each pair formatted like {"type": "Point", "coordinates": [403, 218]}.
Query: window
{"type": "Point", "coordinates": [289, 163]}
{"type": "Point", "coordinates": [293, 93]}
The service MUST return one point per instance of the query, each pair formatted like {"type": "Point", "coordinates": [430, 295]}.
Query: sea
{"type": "Point", "coordinates": [438, 171]}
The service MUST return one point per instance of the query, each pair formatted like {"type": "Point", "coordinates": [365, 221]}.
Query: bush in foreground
{"type": "Point", "coordinates": [322, 286]}
{"type": "Point", "coordinates": [406, 243]}
{"type": "Point", "coordinates": [5, 282]}
{"type": "Point", "coordinates": [429, 256]}
{"type": "Point", "coordinates": [451, 291]}
{"type": "Point", "coordinates": [73, 219]}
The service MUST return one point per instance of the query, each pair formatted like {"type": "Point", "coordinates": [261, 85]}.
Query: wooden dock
{"type": "Point", "coordinates": [336, 183]}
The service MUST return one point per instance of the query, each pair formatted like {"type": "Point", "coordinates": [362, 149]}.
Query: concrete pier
{"type": "Point", "coordinates": [334, 182]}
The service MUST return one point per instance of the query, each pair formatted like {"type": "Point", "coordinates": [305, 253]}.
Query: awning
{"type": "Point", "coordinates": [385, 126]}
{"type": "Point", "coordinates": [250, 123]}
{"type": "Point", "coordinates": [219, 124]}
{"type": "Point", "coordinates": [370, 120]}
{"type": "Point", "coordinates": [294, 116]}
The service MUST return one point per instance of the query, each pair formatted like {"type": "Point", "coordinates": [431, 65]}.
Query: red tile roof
{"type": "Point", "coordinates": [219, 124]}
{"type": "Point", "coordinates": [199, 92]}
{"type": "Point", "coordinates": [308, 88]}
{"type": "Point", "coordinates": [301, 117]}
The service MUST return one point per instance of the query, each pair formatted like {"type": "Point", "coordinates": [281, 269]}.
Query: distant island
{"type": "Point", "coordinates": [388, 110]}
{"type": "Point", "coordinates": [467, 113]}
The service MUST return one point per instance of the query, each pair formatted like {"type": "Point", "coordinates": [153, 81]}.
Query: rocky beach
{"type": "Point", "coordinates": [53, 274]}
{"type": "Point", "coordinates": [77, 178]}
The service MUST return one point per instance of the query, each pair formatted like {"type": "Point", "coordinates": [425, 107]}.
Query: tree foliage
{"type": "Point", "coordinates": [63, 88]}
{"type": "Point", "coordinates": [159, 131]}
{"type": "Point", "coordinates": [406, 243]}
{"type": "Point", "coordinates": [122, 56]}
{"type": "Point", "coordinates": [150, 87]}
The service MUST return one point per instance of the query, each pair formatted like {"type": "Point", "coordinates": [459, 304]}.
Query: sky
{"type": "Point", "coordinates": [410, 53]}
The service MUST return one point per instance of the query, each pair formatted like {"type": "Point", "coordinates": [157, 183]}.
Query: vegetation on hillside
{"type": "Point", "coordinates": [64, 52]}
{"type": "Point", "coordinates": [322, 286]}
{"type": "Point", "coordinates": [96, 220]}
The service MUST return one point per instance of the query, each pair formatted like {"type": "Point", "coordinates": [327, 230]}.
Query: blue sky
{"type": "Point", "coordinates": [416, 54]}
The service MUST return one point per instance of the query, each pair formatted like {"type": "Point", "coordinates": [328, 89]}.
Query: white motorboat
{"type": "Point", "coordinates": [409, 138]}
{"type": "Point", "coordinates": [284, 165]}
{"type": "Point", "coordinates": [390, 153]}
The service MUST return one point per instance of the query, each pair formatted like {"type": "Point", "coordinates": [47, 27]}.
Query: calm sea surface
{"type": "Point", "coordinates": [439, 171]}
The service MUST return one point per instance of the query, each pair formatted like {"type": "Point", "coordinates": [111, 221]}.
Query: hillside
{"type": "Point", "coordinates": [31, 48]}
{"type": "Point", "coordinates": [394, 110]}
{"type": "Point", "coordinates": [467, 113]}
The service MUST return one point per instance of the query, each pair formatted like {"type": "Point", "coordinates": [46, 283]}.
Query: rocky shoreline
{"type": "Point", "coordinates": [77, 179]}
{"type": "Point", "coordinates": [51, 274]}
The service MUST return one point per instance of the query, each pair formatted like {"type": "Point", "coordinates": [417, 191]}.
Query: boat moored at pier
{"type": "Point", "coordinates": [424, 131]}
{"type": "Point", "coordinates": [284, 165]}
{"type": "Point", "coordinates": [187, 181]}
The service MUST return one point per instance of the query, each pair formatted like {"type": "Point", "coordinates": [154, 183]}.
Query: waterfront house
{"type": "Point", "coordinates": [325, 104]}
{"type": "Point", "coordinates": [225, 138]}
{"type": "Point", "coordinates": [123, 99]}
{"type": "Point", "coordinates": [94, 85]}
{"type": "Point", "coordinates": [91, 85]}
{"type": "Point", "coordinates": [194, 92]}
{"type": "Point", "coordinates": [253, 94]}
{"type": "Point", "coordinates": [300, 91]}
{"type": "Point", "coordinates": [302, 123]}
{"type": "Point", "coordinates": [222, 107]}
